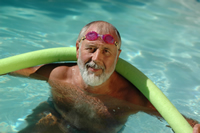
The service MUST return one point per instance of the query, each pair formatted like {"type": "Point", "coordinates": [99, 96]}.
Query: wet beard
{"type": "Point", "coordinates": [90, 78]}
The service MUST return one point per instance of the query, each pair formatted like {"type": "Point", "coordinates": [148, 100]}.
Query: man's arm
{"type": "Point", "coordinates": [41, 72]}
{"type": "Point", "coordinates": [25, 72]}
{"type": "Point", "coordinates": [191, 121]}
{"type": "Point", "coordinates": [194, 123]}
{"type": "Point", "coordinates": [38, 72]}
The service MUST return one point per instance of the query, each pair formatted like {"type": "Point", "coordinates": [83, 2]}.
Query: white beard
{"type": "Point", "coordinates": [89, 77]}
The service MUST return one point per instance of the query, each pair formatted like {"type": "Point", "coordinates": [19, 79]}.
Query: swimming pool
{"type": "Point", "coordinates": [161, 38]}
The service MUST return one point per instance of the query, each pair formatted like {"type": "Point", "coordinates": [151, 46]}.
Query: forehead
{"type": "Point", "coordinates": [102, 28]}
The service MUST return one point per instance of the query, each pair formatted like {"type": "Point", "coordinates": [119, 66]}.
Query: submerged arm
{"type": "Point", "coordinates": [191, 121]}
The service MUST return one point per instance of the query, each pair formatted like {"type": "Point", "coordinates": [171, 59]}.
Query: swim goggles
{"type": "Point", "coordinates": [92, 35]}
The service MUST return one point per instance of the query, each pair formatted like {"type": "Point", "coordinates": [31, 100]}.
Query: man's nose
{"type": "Point", "coordinates": [97, 56]}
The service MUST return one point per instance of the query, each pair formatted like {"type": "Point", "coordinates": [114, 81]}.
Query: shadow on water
{"type": "Point", "coordinates": [51, 8]}
{"type": "Point", "coordinates": [62, 8]}
{"type": "Point", "coordinates": [115, 6]}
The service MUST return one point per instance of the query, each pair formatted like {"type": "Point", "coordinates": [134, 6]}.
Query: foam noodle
{"type": "Point", "coordinates": [136, 77]}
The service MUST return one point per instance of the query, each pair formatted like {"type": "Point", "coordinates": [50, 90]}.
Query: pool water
{"type": "Point", "coordinates": [160, 38]}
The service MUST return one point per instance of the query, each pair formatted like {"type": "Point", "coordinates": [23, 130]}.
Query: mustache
{"type": "Point", "coordinates": [94, 65]}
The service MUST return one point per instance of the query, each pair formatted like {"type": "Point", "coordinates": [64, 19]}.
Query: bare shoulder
{"type": "Point", "coordinates": [55, 71]}
{"type": "Point", "coordinates": [130, 92]}
{"type": "Point", "coordinates": [122, 82]}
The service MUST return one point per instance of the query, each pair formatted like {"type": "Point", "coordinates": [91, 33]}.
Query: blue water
{"type": "Point", "coordinates": [159, 37]}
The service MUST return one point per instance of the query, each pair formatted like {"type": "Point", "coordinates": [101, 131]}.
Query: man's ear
{"type": "Point", "coordinates": [77, 49]}
{"type": "Point", "coordinates": [119, 54]}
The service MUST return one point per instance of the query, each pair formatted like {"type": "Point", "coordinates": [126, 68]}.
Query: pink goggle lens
{"type": "Point", "coordinates": [91, 36]}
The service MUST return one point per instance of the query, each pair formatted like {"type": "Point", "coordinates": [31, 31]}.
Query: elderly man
{"type": "Point", "coordinates": [90, 96]}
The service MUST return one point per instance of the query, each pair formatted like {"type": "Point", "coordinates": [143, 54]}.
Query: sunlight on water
{"type": "Point", "coordinates": [160, 38]}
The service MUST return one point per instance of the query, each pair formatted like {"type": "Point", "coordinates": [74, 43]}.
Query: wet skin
{"type": "Point", "coordinates": [79, 106]}
{"type": "Point", "coordinates": [76, 110]}
{"type": "Point", "coordinates": [85, 109]}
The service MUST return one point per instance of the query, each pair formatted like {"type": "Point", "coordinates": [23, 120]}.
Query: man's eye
{"type": "Point", "coordinates": [107, 52]}
{"type": "Point", "coordinates": [91, 49]}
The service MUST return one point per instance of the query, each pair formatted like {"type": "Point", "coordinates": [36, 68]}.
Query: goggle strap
{"type": "Point", "coordinates": [117, 45]}
{"type": "Point", "coordinates": [83, 38]}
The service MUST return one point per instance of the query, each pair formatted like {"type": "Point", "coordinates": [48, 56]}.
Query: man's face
{"type": "Point", "coordinates": [97, 59]}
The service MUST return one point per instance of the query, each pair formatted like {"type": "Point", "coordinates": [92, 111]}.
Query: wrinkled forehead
{"type": "Point", "coordinates": [102, 28]}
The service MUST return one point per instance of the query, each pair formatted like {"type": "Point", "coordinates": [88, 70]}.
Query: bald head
{"type": "Point", "coordinates": [103, 27]}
